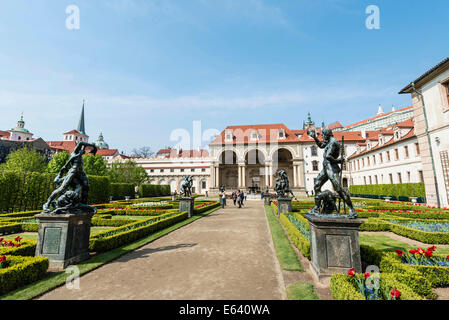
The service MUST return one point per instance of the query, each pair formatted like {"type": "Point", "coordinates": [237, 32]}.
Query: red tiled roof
{"type": "Point", "coordinates": [164, 151]}
{"type": "Point", "coordinates": [62, 145]}
{"type": "Point", "coordinates": [409, 123]}
{"type": "Point", "coordinates": [376, 117]}
{"type": "Point", "coordinates": [106, 152]}
{"type": "Point", "coordinates": [4, 134]}
{"type": "Point", "coordinates": [76, 132]}
{"type": "Point", "coordinates": [335, 125]}
{"type": "Point", "coordinates": [352, 136]}
{"type": "Point", "coordinates": [410, 134]}
{"type": "Point", "coordinates": [196, 167]}
{"type": "Point", "coordinates": [242, 134]}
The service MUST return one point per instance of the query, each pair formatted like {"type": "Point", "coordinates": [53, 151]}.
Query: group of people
{"type": "Point", "coordinates": [237, 197]}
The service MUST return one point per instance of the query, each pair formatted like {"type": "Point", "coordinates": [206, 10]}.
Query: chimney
{"type": "Point", "coordinates": [380, 110]}
{"type": "Point", "coordinates": [363, 133]}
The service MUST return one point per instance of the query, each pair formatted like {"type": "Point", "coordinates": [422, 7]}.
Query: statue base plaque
{"type": "Point", "coordinates": [284, 205]}
{"type": "Point", "coordinates": [186, 204]}
{"type": "Point", "coordinates": [63, 238]}
{"type": "Point", "coordinates": [334, 245]}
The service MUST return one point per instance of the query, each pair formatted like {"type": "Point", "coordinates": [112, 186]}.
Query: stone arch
{"type": "Point", "coordinates": [222, 150]}
{"type": "Point", "coordinates": [228, 168]}
{"type": "Point", "coordinates": [282, 159]}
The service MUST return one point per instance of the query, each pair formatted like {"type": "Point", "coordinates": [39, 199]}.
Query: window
{"type": "Point", "coordinates": [391, 178]}
{"type": "Point", "coordinates": [370, 181]}
{"type": "Point", "coordinates": [314, 151]}
{"type": "Point", "coordinates": [192, 170]}
{"type": "Point", "coordinates": [315, 165]}
{"type": "Point", "coordinates": [203, 184]}
{"type": "Point", "coordinates": [388, 156]}
{"type": "Point", "coordinates": [367, 159]}
{"type": "Point", "coordinates": [417, 148]}
{"type": "Point", "coordinates": [446, 90]}
{"type": "Point", "coordinates": [203, 170]}
{"type": "Point", "coordinates": [374, 159]}
{"type": "Point", "coordinates": [152, 170]}
{"type": "Point", "coordinates": [364, 180]}
{"type": "Point", "coordinates": [381, 158]}
{"type": "Point", "coordinates": [162, 170]}
{"type": "Point", "coordinates": [281, 134]}
{"type": "Point", "coordinates": [399, 177]}
{"type": "Point", "coordinates": [406, 151]}
{"type": "Point", "coordinates": [182, 170]}
{"type": "Point", "coordinates": [376, 179]}
{"type": "Point", "coordinates": [396, 152]}
{"type": "Point", "coordinates": [408, 176]}
{"type": "Point", "coordinates": [421, 176]}
{"type": "Point", "coordinates": [172, 170]}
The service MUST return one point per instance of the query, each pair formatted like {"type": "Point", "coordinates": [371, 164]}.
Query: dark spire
{"type": "Point", "coordinates": [81, 127]}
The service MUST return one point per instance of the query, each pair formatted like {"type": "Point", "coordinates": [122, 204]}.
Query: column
{"type": "Point", "coordinates": [267, 175]}
{"type": "Point", "coordinates": [295, 173]}
{"type": "Point", "coordinates": [300, 176]}
{"type": "Point", "coordinates": [270, 180]}
{"type": "Point", "coordinates": [217, 177]}
{"type": "Point", "coordinates": [212, 176]}
{"type": "Point", "coordinates": [243, 176]}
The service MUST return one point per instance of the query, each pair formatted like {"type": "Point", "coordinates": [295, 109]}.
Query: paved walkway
{"type": "Point", "coordinates": [228, 254]}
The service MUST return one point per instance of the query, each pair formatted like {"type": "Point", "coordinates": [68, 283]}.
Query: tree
{"type": "Point", "coordinates": [94, 165]}
{"type": "Point", "coordinates": [25, 159]}
{"type": "Point", "coordinates": [58, 161]}
{"type": "Point", "coordinates": [144, 152]}
{"type": "Point", "coordinates": [127, 172]}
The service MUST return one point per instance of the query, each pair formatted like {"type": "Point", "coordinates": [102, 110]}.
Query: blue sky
{"type": "Point", "coordinates": [149, 67]}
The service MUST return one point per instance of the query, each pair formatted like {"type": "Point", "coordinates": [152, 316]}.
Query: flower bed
{"type": "Point", "coordinates": [19, 271]}
{"type": "Point", "coordinates": [136, 212]}
{"type": "Point", "coordinates": [203, 207]}
{"type": "Point", "coordinates": [110, 239]}
{"type": "Point", "coordinates": [434, 268]}
{"type": "Point", "coordinates": [354, 286]}
{"type": "Point", "coordinates": [299, 240]}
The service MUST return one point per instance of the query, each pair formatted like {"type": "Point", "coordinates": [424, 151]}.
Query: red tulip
{"type": "Point", "coordinates": [366, 275]}
{"type": "Point", "coordinates": [351, 272]}
{"type": "Point", "coordinates": [413, 251]}
{"type": "Point", "coordinates": [395, 293]}
{"type": "Point", "coordinates": [400, 253]}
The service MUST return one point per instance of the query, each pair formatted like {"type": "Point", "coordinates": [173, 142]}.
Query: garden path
{"type": "Point", "coordinates": [228, 254]}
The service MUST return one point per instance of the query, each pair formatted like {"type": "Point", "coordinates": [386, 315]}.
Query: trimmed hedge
{"type": "Point", "coordinates": [343, 287]}
{"type": "Point", "coordinates": [120, 190]}
{"type": "Point", "coordinates": [153, 190]}
{"type": "Point", "coordinates": [25, 191]}
{"type": "Point", "coordinates": [101, 222]}
{"type": "Point", "coordinates": [22, 271]}
{"type": "Point", "coordinates": [27, 249]}
{"type": "Point", "coordinates": [206, 207]}
{"type": "Point", "coordinates": [397, 190]}
{"type": "Point", "coordinates": [108, 240]}
{"type": "Point", "coordinates": [300, 242]}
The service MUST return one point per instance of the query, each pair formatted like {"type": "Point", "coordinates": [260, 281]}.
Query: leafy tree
{"type": "Point", "coordinates": [144, 152]}
{"type": "Point", "coordinates": [94, 165]}
{"type": "Point", "coordinates": [127, 172]}
{"type": "Point", "coordinates": [25, 159]}
{"type": "Point", "coordinates": [58, 161]}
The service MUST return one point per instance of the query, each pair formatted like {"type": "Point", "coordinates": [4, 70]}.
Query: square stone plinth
{"type": "Point", "coordinates": [334, 245]}
{"type": "Point", "coordinates": [186, 204]}
{"type": "Point", "coordinates": [284, 205]}
{"type": "Point", "coordinates": [63, 238]}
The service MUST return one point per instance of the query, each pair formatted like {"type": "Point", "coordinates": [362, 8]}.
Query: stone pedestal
{"type": "Point", "coordinates": [334, 245]}
{"type": "Point", "coordinates": [63, 238]}
{"type": "Point", "coordinates": [284, 205]}
{"type": "Point", "coordinates": [186, 204]}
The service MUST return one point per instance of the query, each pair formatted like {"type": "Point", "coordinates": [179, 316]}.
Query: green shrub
{"type": "Point", "coordinates": [99, 189]}
{"type": "Point", "coordinates": [153, 190]}
{"type": "Point", "coordinates": [397, 190]}
{"type": "Point", "coordinates": [122, 189]}
{"type": "Point", "coordinates": [22, 271]}
{"type": "Point", "coordinates": [107, 240]}
{"type": "Point", "coordinates": [206, 208]}
{"type": "Point", "coordinates": [100, 222]}
{"type": "Point", "coordinates": [300, 242]}
{"type": "Point", "coordinates": [9, 228]}
{"type": "Point", "coordinates": [27, 248]}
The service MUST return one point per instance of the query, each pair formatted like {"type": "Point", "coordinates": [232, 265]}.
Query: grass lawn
{"type": "Point", "coordinates": [286, 255]}
{"type": "Point", "coordinates": [301, 291]}
{"type": "Point", "coordinates": [25, 236]}
{"type": "Point", "coordinates": [386, 243]}
{"type": "Point", "coordinates": [40, 287]}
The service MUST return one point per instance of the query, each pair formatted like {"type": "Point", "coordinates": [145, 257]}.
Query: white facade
{"type": "Point", "coordinates": [171, 171]}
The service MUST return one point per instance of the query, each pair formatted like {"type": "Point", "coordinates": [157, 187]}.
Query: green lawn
{"type": "Point", "coordinates": [301, 291]}
{"type": "Point", "coordinates": [24, 235]}
{"type": "Point", "coordinates": [284, 251]}
{"type": "Point", "coordinates": [385, 243]}
{"type": "Point", "coordinates": [130, 217]}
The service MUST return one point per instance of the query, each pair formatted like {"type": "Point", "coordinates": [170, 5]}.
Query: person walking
{"type": "Point", "coordinates": [223, 199]}
{"type": "Point", "coordinates": [234, 197]}
{"type": "Point", "coordinates": [240, 198]}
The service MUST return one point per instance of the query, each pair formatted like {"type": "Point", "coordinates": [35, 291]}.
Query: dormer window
{"type": "Point", "coordinates": [281, 134]}
{"type": "Point", "coordinates": [228, 136]}
{"type": "Point", "coordinates": [254, 135]}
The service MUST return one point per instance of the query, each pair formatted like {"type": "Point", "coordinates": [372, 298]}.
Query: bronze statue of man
{"type": "Point", "coordinates": [73, 188]}
{"type": "Point", "coordinates": [331, 169]}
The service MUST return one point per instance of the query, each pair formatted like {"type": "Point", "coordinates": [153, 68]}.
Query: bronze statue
{"type": "Point", "coordinates": [331, 171]}
{"type": "Point", "coordinates": [73, 188]}
{"type": "Point", "coordinates": [282, 187]}
{"type": "Point", "coordinates": [186, 186]}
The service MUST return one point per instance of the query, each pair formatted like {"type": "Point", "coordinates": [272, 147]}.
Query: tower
{"type": "Point", "coordinates": [309, 124]}
{"type": "Point", "coordinates": [81, 128]}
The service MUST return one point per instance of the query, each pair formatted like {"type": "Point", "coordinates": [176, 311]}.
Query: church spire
{"type": "Point", "coordinates": [81, 127]}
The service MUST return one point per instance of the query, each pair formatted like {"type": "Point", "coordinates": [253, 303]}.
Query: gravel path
{"type": "Point", "coordinates": [228, 254]}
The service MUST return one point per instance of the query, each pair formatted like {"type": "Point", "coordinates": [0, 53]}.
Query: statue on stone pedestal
{"type": "Point", "coordinates": [331, 171]}
{"type": "Point", "coordinates": [186, 186]}
{"type": "Point", "coordinates": [222, 188]}
{"type": "Point", "coordinates": [282, 187]}
{"type": "Point", "coordinates": [70, 197]}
